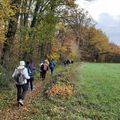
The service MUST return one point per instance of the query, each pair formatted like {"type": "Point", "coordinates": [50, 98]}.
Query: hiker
{"type": "Point", "coordinates": [41, 63]}
{"type": "Point", "coordinates": [31, 71]}
{"type": "Point", "coordinates": [52, 66]}
{"type": "Point", "coordinates": [67, 61]}
{"type": "Point", "coordinates": [21, 75]}
{"type": "Point", "coordinates": [72, 61]}
{"type": "Point", "coordinates": [47, 61]}
{"type": "Point", "coordinates": [43, 69]}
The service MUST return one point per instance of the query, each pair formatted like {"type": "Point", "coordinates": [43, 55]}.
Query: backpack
{"type": "Point", "coordinates": [51, 65]}
{"type": "Point", "coordinates": [19, 77]}
{"type": "Point", "coordinates": [45, 68]}
{"type": "Point", "coordinates": [30, 73]}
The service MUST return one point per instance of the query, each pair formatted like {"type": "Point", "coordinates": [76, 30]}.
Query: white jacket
{"type": "Point", "coordinates": [24, 72]}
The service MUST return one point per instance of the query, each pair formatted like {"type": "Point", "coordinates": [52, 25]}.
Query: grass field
{"type": "Point", "coordinates": [96, 95]}
{"type": "Point", "coordinates": [99, 86]}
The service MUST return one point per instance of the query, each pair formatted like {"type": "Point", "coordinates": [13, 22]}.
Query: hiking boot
{"type": "Point", "coordinates": [21, 102]}
{"type": "Point", "coordinates": [33, 89]}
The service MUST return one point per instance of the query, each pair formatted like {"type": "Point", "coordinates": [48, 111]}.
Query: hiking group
{"type": "Point", "coordinates": [24, 75]}
{"type": "Point", "coordinates": [44, 68]}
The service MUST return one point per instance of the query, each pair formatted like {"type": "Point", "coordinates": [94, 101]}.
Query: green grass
{"type": "Point", "coordinates": [99, 86]}
{"type": "Point", "coordinates": [96, 96]}
{"type": "Point", "coordinates": [55, 108]}
{"type": "Point", "coordinates": [8, 95]}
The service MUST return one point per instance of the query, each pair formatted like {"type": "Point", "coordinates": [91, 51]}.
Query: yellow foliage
{"type": "Point", "coordinates": [60, 25]}
{"type": "Point", "coordinates": [54, 51]}
{"type": "Point", "coordinates": [99, 40]}
{"type": "Point", "coordinates": [25, 109]}
{"type": "Point", "coordinates": [6, 12]}
{"type": "Point", "coordinates": [62, 90]}
{"type": "Point", "coordinates": [71, 2]}
{"type": "Point", "coordinates": [67, 48]}
{"type": "Point", "coordinates": [34, 110]}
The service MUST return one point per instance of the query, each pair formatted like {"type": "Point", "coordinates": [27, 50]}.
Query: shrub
{"type": "Point", "coordinates": [4, 78]}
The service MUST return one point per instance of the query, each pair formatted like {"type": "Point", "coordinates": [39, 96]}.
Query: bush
{"type": "Point", "coordinates": [4, 78]}
{"type": "Point", "coordinates": [61, 86]}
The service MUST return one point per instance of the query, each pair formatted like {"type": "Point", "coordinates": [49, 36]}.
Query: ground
{"type": "Point", "coordinates": [14, 112]}
{"type": "Point", "coordinates": [95, 96]}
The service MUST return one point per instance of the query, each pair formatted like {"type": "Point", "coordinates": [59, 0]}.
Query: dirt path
{"type": "Point", "coordinates": [13, 112]}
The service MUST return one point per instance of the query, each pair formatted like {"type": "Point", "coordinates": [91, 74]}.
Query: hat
{"type": "Point", "coordinates": [46, 61]}
{"type": "Point", "coordinates": [22, 65]}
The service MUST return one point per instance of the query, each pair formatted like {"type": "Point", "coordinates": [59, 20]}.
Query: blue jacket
{"type": "Point", "coordinates": [51, 64]}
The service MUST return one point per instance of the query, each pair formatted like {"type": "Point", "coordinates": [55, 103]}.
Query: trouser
{"type": "Point", "coordinates": [30, 81]}
{"type": "Point", "coordinates": [21, 91]}
{"type": "Point", "coordinates": [43, 74]}
{"type": "Point", "coordinates": [52, 70]}
{"type": "Point", "coordinates": [40, 74]}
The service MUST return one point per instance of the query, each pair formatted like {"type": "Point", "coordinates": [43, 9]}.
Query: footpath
{"type": "Point", "coordinates": [61, 87]}
{"type": "Point", "coordinates": [13, 112]}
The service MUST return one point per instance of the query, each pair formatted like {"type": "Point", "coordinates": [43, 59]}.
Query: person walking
{"type": "Point", "coordinates": [52, 66]}
{"type": "Point", "coordinates": [43, 69]}
{"type": "Point", "coordinates": [40, 68]}
{"type": "Point", "coordinates": [20, 75]}
{"type": "Point", "coordinates": [31, 71]}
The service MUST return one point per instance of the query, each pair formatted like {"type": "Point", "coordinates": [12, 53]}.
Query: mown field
{"type": "Point", "coordinates": [99, 86]}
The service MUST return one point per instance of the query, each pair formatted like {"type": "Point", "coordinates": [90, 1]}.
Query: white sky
{"type": "Point", "coordinates": [107, 15]}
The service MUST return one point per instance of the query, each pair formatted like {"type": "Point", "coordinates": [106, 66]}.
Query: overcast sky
{"type": "Point", "coordinates": [107, 15]}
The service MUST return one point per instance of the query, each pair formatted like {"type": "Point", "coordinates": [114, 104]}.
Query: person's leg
{"type": "Point", "coordinates": [44, 75]}
{"type": "Point", "coordinates": [40, 74]}
{"type": "Point", "coordinates": [24, 87]}
{"type": "Point", "coordinates": [31, 83]}
{"type": "Point", "coordinates": [18, 92]}
{"type": "Point", "coordinates": [52, 71]}
{"type": "Point", "coordinates": [27, 85]}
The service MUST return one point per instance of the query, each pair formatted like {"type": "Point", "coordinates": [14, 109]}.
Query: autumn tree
{"type": "Point", "coordinates": [6, 12]}
{"type": "Point", "coordinates": [11, 29]}
{"type": "Point", "coordinates": [97, 44]}
{"type": "Point", "coordinates": [33, 22]}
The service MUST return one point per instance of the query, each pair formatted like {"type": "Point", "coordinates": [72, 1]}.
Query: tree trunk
{"type": "Point", "coordinates": [35, 14]}
{"type": "Point", "coordinates": [10, 34]}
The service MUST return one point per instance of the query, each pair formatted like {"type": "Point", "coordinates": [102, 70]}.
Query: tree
{"type": "Point", "coordinates": [11, 30]}
{"type": "Point", "coordinates": [5, 13]}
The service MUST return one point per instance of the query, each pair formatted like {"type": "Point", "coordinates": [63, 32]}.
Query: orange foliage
{"type": "Point", "coordinates": [114, 49]}
{"type": "Point", "coordinates": [34, 110]}
{"type": "Point", "coordinates": [62, 90]}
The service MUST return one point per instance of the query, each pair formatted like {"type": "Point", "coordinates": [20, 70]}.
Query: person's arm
{"type": "Point", "coordinates": [15, 71]}
{"type": "Point", "coordinates": [49, 64]}
{"type": "Point", "coordinates": [54, 64]}
{"type": "Point", "coordinates": [25, 71]}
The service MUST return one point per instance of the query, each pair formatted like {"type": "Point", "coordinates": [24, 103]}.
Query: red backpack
{"type": "Point", "coordinates": [45, 67]}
